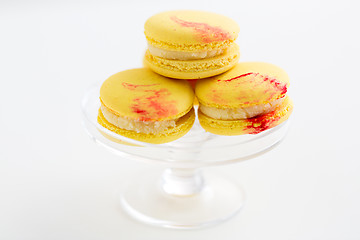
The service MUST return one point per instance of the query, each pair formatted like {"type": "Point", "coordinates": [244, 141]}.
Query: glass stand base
{"type": "Point", "coordinates": [217, 200]}
{"type": "Point", "coordinates": [181, 197]}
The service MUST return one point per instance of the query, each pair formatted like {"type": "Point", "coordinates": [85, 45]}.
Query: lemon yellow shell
{"type": "Point", "coordinates": [246, 84]}
{"type": "Point", "coordinates": [140, 94]}
{"type": "Point", "coordinates": [194, 69]}
{"type": "Point", "coordinates": [183, 125]}
{"type": "Point", "coordinates": [247, 126]}
{"type": "Point", "coordinates": [190, 30]}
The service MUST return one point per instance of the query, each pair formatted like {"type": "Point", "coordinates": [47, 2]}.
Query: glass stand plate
{"type": "Point", "coordinates": [181, 197]}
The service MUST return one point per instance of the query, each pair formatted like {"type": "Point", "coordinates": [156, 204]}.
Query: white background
{"type": "Point", "coordinates": [55, 183]}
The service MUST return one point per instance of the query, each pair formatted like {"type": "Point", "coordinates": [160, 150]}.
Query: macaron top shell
{"type": "Point", "coordinates": [141, 94]}
{"type": "Point", "coordinates": [190, 30]}
{"type": "Point", "coordinates": [247, 84]}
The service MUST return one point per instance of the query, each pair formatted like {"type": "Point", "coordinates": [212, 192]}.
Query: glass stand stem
{"type": "Point", "coordinates": [182, 181]}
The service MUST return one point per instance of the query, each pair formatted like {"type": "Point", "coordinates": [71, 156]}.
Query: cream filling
{"type": "Point", "coordinates": [240, 113]}
{"type": "Point", "coordinates": [178, 55]}
{"type": "Point", "coordinates": [136, 125]}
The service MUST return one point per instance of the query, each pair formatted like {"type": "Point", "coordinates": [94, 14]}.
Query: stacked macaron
{"type": "Point", "coordinates": [248, 99]}
{"type": "Point", "coordinates": [142, 105]}
{"type": "Point", "coordinates": [191, 44]}
{"type": "Point", "coordinates": [188, 50]}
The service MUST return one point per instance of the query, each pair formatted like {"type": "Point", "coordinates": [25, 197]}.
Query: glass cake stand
{"type": "Point", "coordinates": [181, 197]}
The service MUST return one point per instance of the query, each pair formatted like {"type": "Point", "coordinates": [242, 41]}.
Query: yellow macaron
{"type": "Point", "coordinates": [191, 44]}
{"type": "Point", "coordinates": [142, 105]}
{"type": "Point", "coordinates": [248, 99]}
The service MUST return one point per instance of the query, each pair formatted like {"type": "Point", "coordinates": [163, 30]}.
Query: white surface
{"type": "Point", "coordinates": [55, 183]}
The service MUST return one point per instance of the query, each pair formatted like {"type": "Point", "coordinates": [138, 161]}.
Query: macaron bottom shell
{"type": "Point", "coordinates": [193, 69]}
{"type": "Point", "coordinates": [183, 125]}
{"type": "Point", "coordinates": [253, 125]}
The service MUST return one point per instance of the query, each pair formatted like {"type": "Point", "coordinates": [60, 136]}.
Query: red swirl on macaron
{"type": "Point", "coordinates": [206, 32]}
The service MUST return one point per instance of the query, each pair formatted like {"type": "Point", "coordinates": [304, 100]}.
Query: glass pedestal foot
{"type": "Point", "coordinates": [193, 202]}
